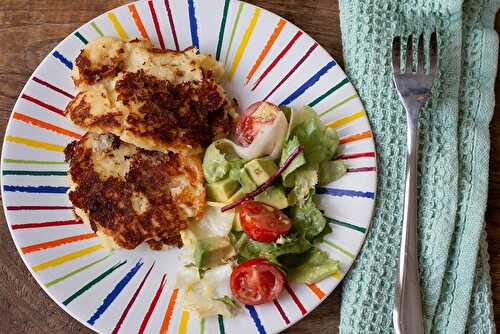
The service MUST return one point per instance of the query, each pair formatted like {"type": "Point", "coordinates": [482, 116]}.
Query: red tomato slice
{"type": "Point", "coordinates": [256, 282]}
{"type": "Point", "coordinates": [262, 222]}
{"type": "Point", "coordinates": [250, 122]}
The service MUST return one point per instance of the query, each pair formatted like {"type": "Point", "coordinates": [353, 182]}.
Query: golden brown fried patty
{"type": "Point", "coordinates": [155, 99]}
{"type": "Point", "coordinates": [131, 195]}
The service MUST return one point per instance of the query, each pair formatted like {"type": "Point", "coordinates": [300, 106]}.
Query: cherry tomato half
{"type": "Point", "coordinates": [256, 281]}
{"type": "Point", "coordinates": [262, 222]}
{"type": "Point", "coordinates": [250, 122]}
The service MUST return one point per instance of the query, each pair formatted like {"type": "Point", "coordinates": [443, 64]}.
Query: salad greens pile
{"type": "Point", "coordinates": [229, 178]}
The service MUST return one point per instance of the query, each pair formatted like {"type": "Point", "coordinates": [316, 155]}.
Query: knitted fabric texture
{"type": "Point", "coordinates": [452, 169]}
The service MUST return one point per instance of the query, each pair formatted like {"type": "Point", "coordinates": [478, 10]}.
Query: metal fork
{"type": "Point", "coordinates": [414, 88]}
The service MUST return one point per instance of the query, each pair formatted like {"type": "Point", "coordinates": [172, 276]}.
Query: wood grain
{"type": "Point", "coordinates": [30, 29]}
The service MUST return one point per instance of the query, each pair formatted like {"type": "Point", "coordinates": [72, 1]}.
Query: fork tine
{"type": "Point", "coordinates": [396, 54]}
{"type": "Point", "coordinates": [433, 50]}
{"type": "Point", "coordinates": [420, 54]}
{"type": "Point", "coordinates": [409, 54]}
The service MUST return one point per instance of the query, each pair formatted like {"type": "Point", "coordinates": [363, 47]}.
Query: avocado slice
{"type": "Point", "coordinates": [237, 195]}
{"type": "Point", "coordinates": [246, 181]}
{"type": "Point", "coordinates": [222, 190]}
{"type": "Point", "coordinates": [274, 196]}
{"type": "Point", "coordinates": [261, 170]}
{"type": "Point", "coordinates": [212, 251]}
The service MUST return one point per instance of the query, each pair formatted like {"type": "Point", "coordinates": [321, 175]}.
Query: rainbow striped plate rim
{"type": "Point", "coordinates": [266, 57]}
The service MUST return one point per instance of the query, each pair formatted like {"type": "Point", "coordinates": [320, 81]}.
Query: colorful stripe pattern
{"type": "Point", "coordinates": [34, 162]}
{"type": "Point", "coordinates": [51, 86]}
{"type": "Point", "coordinates": [44, 125]}
{"type": "Point", "coordinates": [156, 24]}
{"type": "Point", "coordinates": [35, 143]}
{"type": "Point", "coordinates": [63, 59]}
{"type": "Point", "coordinates": [256, 319]}
{"type": "Point", "coordinates": [45, 224]}
{"type": "Point", "coordinates": [36, 189]}
{"type": "Point", "coordinates": [316, 290]}
{"type": "Point", "coordinates": [295, 299]}
{"type": "Point", "coordinates": [96, 28]}
{"type": "Point", "coordinates": [340, 249]}
{"type": "Point", "coordinates": [43, 104]}
{"type": "Point", "coordinates": [93, 282]}
{"type": "Point", "coordinates": [281, 311]}
{"type": "Point", "coordinates": [37, 207]}
{"type": "Point", "coordinates": [34, 172]}
{"type": "Point", "coordinates": [328, 94]}
{"type": "Point", "coordinates": [348, 225]}
{"type": "Point", "coordinates": [266, 49]}
{"type": "Point", "coordinates": [138, 21]}
{"type": "Point", "coordinates": [65, 258]}
{"type": "Point", "coordinates": [221, 30]}
{"type": "Point", "coordinates": [172, 25]}
{"type": "Point", "coordinates": [76, 271]}
{"type": "Point", "coordinates": [220, 320]}
{"type": "Point", "coordinates": [356, 137]}
{"type": "Point", "coordinates": [168, 313]}
{"type": "Point", "coordinates": [132, 301]}
{"type": "Point", "coordinates": [346, 120]}
{"type": "Point", "coordinates": [118, 26]}
{"type": "Point", "coordinates": [110, 298]}
{"type": "Point", "coordinates": [338, 104]}
{"type": "Point", "coordinates": [244, 43]}
{"type": "Point", "coordinates": [152, 306]}
{"type": "Point", "coordinates": [56, 242]}
{"type": "Point", "coordinates": [233, 30]}
{"type": "Point", "coordinates": [292, 70]}
{"type": "Point", "coordinates": [193, 24]}
{"type": "Point", "coordinates": [279, 57]}
{"type": "Point", "coordinates": [357, 155]}
{"type": "Point", "coordinates": [344, 192]}
{"type": "Point", "coordinates": [81, 38]}
{"type": "Point", "coordinates": [309, 83]}
{"type": "Point", "coordinates": [183, 322]}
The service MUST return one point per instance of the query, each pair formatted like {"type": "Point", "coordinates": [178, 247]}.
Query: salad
{"type": "Point", "coordinates": [261, 227]}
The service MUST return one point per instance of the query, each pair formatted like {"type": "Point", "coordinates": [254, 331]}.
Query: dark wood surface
{"type": "Point", "coordinates": [30, 29]}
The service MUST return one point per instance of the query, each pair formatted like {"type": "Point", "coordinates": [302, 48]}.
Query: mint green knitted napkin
{"type": "Point", "coordinates": [453, 162]}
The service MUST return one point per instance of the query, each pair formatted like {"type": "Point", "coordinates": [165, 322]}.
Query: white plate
{"type": "Point", "coordinates": [130, 291]}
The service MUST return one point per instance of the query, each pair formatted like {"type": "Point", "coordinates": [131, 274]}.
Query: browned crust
{"type": "Point", "coordinates": [108, 201]}
{"type": "Point", "coordinates": [90, 74]}
{"type": "Point", "coordinates": [190, 113]}
{"type": "Point", "coordinates": [80, 113]}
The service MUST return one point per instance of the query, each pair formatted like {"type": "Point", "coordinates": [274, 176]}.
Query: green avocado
{"type": "Point", "coordinates": [237, 195]}
{"type": "Point", "coordinates": [212, 251]}
{"type": "Point", "coordinates": [246, 181]}
{"type": "Point", "coordinates": [222, 190]}
{"type": "Point", "coordinates": [261, 170]}
{"type": "Point", "coordinates": [274, 196]}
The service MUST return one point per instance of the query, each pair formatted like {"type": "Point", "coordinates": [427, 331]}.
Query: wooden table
{"type": "Point", "coordinates": [30, 29]}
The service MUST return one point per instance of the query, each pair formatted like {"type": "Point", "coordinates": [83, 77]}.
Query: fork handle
{"type": "Point", "coordinates": [407, 313]}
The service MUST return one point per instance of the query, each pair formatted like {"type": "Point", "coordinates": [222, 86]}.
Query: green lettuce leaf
{"type": "Point", "coordinates": [299, 117]}
{"type": "Point", "coordinates": [315, 265]}
{"type": "Point", "coordinates": [288, 148]}
{"type": "Point", "coordinates": [303, 180]}
{"type": "Point", "coordinates": [215, 166]}
{"type": "Point", "coordinates": [291, 244]}
{"type": "Point", "coordinates": [330, 171]}
{"type": "Point", "coordinates": [321, 236]}
{"type": "Point", "coordinates": [320, 142]}
{"type": "Point", "coordinates": [308, 219]}
{"type": "Point", "coordinates": [228, 301]}
{"type": "Point", "coordinates": [287, 111]}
